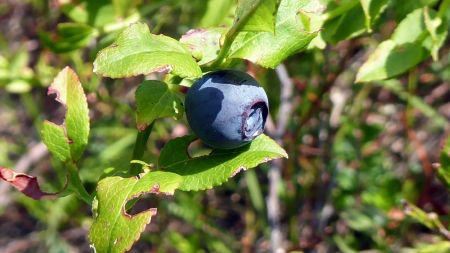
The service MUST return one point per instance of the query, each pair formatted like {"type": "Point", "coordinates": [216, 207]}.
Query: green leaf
{"type": "Point", "coordinates": [77, 12]}
{"type": "Point", "coordinates": [410, 44]}
{"type": "Point", "coordinates": [68, 141]}
{"type": "Point", "coordinates": [292, 34]}
{"type": "Point", "coordinates": [136, 51]}
{"type": "Point", "coordinates": [18, 86]}
{"type": "Point", "coordinates": [404, 7]}
{"type": "Point", "coordinates": [55, 138]}
{"type": "Point", "coordinates": [343, 21]}
{"type": "Point", "coordinates": [390, 59]}
{"type": "Point", "coordinates": [15, 75]}
{"type": "Point", "coordinates": [352, 18]}
{"type": "Point", "coordinates": [154, 100]}
{"type": "Point", "coordinates": [18, 66]}
{"type": "Point", "coordinates": [410, 29]}
{"type": "Point", "coordinates": [435, 27]}
{"type": "Point", "coordinates": [113, 229]}
{"type": "Point", "coordinates": [69, 37]}
{"type": "Point", "coordinates": [94, 13]}
{"type": "Point", "coordinates": [205, 172]}
{"type": "Point", "coordinates": [257, 15]}
{"type": "Point", "coordinates": [204, 44]}
{"type": "Point", "coordinates": [75, 130]}
{"type": "Point", "coordinates": [372, 10]}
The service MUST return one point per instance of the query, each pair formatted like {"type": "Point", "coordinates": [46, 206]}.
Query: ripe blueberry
{"type": "Point", "coordinates": [226, 109]}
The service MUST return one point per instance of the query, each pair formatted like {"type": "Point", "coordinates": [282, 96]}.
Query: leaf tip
{"type": "Point", "coordinates": [56, 87]}
{"type": "Point", "coordinates": [360, 78]}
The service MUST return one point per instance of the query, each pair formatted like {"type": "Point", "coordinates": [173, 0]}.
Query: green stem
{"type": "Point", "coordinates": [231, 35]}
{"type": "Point", "coordinates": [75, 183]}
{"type": "Point", "coordinates": [139, 148]}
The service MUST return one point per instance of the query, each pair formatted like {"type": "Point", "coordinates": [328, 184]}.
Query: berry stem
{"type": "Point", "coordinates": [231, 35]}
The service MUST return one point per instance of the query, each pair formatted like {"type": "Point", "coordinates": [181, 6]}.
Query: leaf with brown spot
{"type": "Point", "coordinates": [114, 230]}
{"type": "Point", "coordinates": [67, 141]}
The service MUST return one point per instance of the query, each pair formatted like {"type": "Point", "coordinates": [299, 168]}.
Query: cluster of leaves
{"type": "Point", "coordinates": [263, 32]}
{"type": "Point", "coordinates": [135, 52]}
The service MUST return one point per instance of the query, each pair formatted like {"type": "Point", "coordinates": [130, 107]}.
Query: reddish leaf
{"type": "Point", "coordinates": [27, 184]}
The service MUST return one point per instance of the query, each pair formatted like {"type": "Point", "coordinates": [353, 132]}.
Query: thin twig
{"type": "Point", "coordinates": [273, 201]}
{"type": "Point", "coordinates": [285, 110]}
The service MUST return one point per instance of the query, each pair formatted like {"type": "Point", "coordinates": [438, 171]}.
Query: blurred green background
{"type": "Point", "coordinates": [355, 150]}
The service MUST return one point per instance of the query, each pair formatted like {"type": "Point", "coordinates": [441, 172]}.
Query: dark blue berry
{"type": "Point", "coordinates": [226, 109]}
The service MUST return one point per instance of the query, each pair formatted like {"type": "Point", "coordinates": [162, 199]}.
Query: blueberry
{"type": "Point", "coordinates": [226, 109]}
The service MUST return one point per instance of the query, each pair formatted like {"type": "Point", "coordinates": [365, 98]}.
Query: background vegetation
{"type": "Point", "coordinates": [362, 155]}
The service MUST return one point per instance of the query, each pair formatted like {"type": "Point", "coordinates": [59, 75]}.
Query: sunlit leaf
{"type": "Point", "coordinates": [410, 44]}
{"type": "Point", "coordinates": [292, 34]}
{"type": "Point", "coordinates": [136, 51]}
{"type": "Point", "coordinates": [75, 130]}
{"type": "Point", "coordinates": [114, 230]}
{"type": "Point", "coordinates": [257, 15]}
{"type": "Point", "coordinates": [205, 172]}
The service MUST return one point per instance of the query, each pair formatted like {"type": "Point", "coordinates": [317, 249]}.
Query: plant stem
{"type": "Point", "coordinates": [139, 148]}
{"type": "Point", "coordinates": [229, 38]}
{"type": "Point", "coordinates": [231, 35]}
{"type": "Point", "coordinates": [75, 183]}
